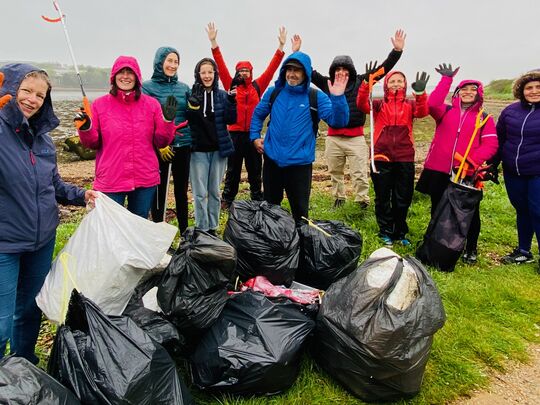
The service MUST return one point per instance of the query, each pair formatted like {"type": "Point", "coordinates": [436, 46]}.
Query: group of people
{"type": "Point", "coordinates": [138, 132]}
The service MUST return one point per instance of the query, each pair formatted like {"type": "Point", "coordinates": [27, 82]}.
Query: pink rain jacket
{"type": "Point", "coordinates": [455, 128]}
{"type": "Point", "coordinates": [125, 133]}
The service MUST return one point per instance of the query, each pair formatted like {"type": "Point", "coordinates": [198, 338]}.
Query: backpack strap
{"type": "Point", "coordinates": [257, 88]}
{"type": "Point", "coordinates": [313, 107]}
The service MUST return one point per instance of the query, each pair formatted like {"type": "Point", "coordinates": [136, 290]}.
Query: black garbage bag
{"type": "Point", "coordinates": [447, 230]}
{"type": "Point", "coordinates": [325, 259]}
{"type": "Point", "coordinates": [193, 288]}
{"type": "Point", "coordinates": [110, 360]}
{"type": "Point", "coordinates": [22, 383]}
{"type": "Point", "coordinates": [266, 241]}
{"type": "Point", "coordinates": [254, 348]}
{"type": "Point", "coordinates": [375, 327]}
{"type": "Point", "coordinates": [154, 323]}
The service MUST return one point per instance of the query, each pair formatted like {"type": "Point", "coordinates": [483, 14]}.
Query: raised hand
{"type": "Point", "coordinates": [446, 70]}
{"type": "Point", "coordinates": [340, 83]}
{"type": "Point", "coordinates": [169, 108]}
{"type": "Point", "coordinates": [419, 86]}
{"type": "Point", "coordinates": [282, 38]}
{"type": "Point", "coordinates": [82, 120]}
{"type": "Point", "coordinates": [296, 43]}
{"type": "Point", "coordinates": [4, 99]}
{"type": "Point", "coordinates": [371, 68]}
{"type": "Point", "coordinates": [211, 30]}
{"type": "Point", "coordinates": [398, 40]}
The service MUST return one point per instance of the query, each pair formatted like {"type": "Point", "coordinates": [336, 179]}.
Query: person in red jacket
{"type": "Point", "coordinates": [393, 182]}
{"type": "Point", "coordinates": [248, 94]}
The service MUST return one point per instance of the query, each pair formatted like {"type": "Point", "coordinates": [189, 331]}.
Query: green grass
{"type": "Point", "coordinates": [493, 311]}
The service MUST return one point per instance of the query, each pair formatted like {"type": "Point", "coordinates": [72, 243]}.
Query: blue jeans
{"type": "Point", "coordinates": [21, 277]}
{"type": "Point", "coordinates": [139, 200]}
{"type": "Point", "coordinates": [206, 171]}
{"type": "Point", "coordinates": [524, 195]}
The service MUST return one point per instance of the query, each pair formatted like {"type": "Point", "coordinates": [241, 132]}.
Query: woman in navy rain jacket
{"type": "Point", "coordinates": [30, 188]}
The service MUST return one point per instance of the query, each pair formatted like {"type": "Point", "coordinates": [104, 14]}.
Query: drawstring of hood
{"type": "Point", "coordinates": [211, 101]}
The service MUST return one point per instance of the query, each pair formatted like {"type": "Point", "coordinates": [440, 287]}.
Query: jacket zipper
{"type": "Point", "coordinates": [33, 162]}
{"type": "Point", "coordinates": [521, 141]}
{"type": "Point", "coordinates": [461, 121]}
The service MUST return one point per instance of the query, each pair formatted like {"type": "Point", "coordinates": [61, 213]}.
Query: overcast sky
{"type": "Point", "coordinates": [488, 39]}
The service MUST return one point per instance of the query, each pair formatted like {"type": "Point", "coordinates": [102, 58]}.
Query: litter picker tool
{"type": "Point", "coordinates": [62, 18]}
{"type": "Point", "coordinates": [479, 123]}
{"type": "Point", "coordinates": [372, 79]}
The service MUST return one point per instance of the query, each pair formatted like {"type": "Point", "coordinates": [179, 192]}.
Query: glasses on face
{"type": "Point", "coordinates": [243, 70]}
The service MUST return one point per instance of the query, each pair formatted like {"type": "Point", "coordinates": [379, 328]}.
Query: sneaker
{"type": "Point", "coordinates": [470, 257]}
{"type": "Point", "coordinates": [405, 242]}
{"type": "Point", "coordinates": [339, 203]}
{"type": "Point", "coordinates": [518, 256]}
{"type": "Point", "coordinates": [386, 240]}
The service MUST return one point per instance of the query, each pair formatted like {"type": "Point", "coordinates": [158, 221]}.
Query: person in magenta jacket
{"type": "Point", "coordinates": [455, 124]}
{"type": "Point", "coordinates": [125, 128]}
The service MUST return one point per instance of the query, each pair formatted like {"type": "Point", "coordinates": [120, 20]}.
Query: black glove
{"type": "Point", "coordinates": [491, 173]}
{"type": "Point", "coordinates": [82, 120]}
{"type": "Point", "coordinates": [237, 80]}
{"type": "Point", "coordinates": [446, 70]}
{"type": "Point", "coordinates": [419, 86]}
{"type": "Point", "coordinates": [194, 101]}
{"type": "Point", "coordinates": [169, 108]}
{"type": "Point", "coordinates": [370, 69]}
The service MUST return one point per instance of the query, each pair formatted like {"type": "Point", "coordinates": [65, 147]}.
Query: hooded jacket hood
{"type": "Point", "coordinates": [44, 120]}
{"type": "Point", "coordinates": [244, 64]}
{"type": "Point", "coordinates": [456, 101]}
{"type": "Point", "coordinates": [301, 58]}
{"type": "Point", "coordinates": [400, 93]}
{"type": "Point", "coordinates": [215, 85]}
{"type": "Point", "coordinates": [129, 62]}
{"type": "Point", "coordinates": [519, 84]}
{"type": "Point", "coordinates": [159, 75]}
{"type": "Point", "coordinates": [344, 61]}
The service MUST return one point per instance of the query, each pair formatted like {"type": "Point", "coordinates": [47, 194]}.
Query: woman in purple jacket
{"type": "Point", "coordinates": [518, 130]}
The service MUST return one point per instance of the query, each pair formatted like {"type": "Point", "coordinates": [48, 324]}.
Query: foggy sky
{"type": "Point", "coordinates": [488, 39]}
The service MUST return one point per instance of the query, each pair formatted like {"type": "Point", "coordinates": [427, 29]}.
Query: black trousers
{"type": "Point", "coordinates": [243, 151]}
{"type": "Point", "coordinates": [394, 188]}
{"type": "Point", "coordinates": [180, 174]}
{"type": "Point", "coordinates": [436, 194]}
{"type": "Point", "coordinates": [295, 180]}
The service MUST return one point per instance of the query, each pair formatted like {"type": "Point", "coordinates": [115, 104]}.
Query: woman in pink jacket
{"type": "Point", "coordinates": [454, 128]}
{"type": "Point", "coordinates": [125, 128]}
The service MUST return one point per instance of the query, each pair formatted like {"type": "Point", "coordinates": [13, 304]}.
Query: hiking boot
{"type": "Point", "coordinates": [362, 204]}
{"type": "Point", "coordinates": [339, 203]}
{"type": "Point", "coordinates": [386, 240]}
{"type": "Point", "coordinates": [518, 256]}
{"type": "Point", "coordinates": [470, 257]}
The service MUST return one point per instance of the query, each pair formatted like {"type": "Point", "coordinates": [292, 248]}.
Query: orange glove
{"type": "Point", "coordinates": [4, 99]}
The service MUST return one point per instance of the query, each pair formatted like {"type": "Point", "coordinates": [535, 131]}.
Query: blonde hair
{"type": "Point", "coordinates": [39, 74]}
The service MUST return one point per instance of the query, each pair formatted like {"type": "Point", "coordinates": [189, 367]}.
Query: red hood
{"type": "Point", "coordinates": [129, 62]}
{"type": "Point", "coordinates": [387, 92]}
{"type": "Point", "coordinates": [245, 64]}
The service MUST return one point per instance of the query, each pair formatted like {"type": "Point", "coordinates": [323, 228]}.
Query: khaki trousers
{"type": "Point", "coordinates": [355, 150]}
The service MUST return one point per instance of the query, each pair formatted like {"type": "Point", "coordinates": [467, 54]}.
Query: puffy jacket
{"type": "Point", "coordinates": [518, 129]}
{"type": "Point", "coordinates": [357, 119]}
{"type": "Point", "coordinates": [247, 96]}
{"type": "Point", "coordinates": [289, 139]}
{"type": "Point", "coordinates": [161, 86]}
{"type": "Point", "coordinates": [30, 185]}
{"type": "Point", "coordinates": [125, 132]}
{"type": "Point", "coordinates": [393, 117]}
{"type": "Point", "coordinates": [454, 128]}
{"type": "Point", "coordinates": [224, 113]}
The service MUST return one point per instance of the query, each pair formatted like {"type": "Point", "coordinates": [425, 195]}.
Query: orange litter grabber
{"type": "Point", "coordinates": [479, 123]}
{"type": "Point", "coordinates": [371, 82]}
{"type": "Point", "coordinates": [5, 98]}
{"type": "Point", "coordinates": [61, 18]}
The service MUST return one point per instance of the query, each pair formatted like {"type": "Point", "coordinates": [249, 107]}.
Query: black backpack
{"type": "Point", "coordinates": [313, 107]}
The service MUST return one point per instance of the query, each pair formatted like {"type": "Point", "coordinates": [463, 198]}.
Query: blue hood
{"type": "Point", "coordinates": [161, 54]}
{"type": "Point", "coordinates": [44, 120]}
{"type": "Point", "coordinates": [304, 60]}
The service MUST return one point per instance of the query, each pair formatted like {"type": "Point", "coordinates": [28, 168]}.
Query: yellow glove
{"type": "Point", "coordinates": [166, 153]}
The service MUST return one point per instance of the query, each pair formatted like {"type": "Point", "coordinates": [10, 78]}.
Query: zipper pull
{"type": "Point", "coordinates": [32, 158]}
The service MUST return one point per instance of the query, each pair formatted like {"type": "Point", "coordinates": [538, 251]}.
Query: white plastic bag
{"type": "Point", "coordinates": [105, 259]}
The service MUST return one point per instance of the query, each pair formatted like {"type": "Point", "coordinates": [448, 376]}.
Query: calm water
{"type": "Point", "coordinates": [74, 95]}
